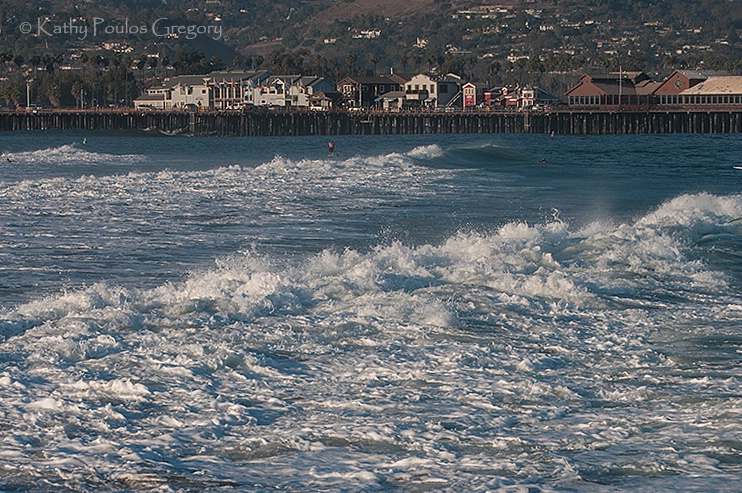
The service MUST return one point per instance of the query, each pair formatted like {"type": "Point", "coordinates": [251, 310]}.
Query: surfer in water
{"type": "Point", "coordinates": [331, 148]}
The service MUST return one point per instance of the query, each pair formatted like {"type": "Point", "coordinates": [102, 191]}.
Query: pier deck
{"type": "Point", "coordinates": [298, 122]}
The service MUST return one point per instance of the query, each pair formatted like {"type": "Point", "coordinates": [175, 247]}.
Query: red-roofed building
{"type": "Point", "coordinates": [612, 90]}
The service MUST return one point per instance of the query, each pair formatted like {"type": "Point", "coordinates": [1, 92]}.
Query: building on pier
{"type": "Point", "coordinates": [683, 89]}
{"type": "Point", "coordinates": [714, 91]}
{"type": "Point", "coordinates": [615, 89]}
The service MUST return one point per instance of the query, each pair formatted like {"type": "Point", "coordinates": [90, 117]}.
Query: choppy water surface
{"type": "Point", "coordinates": [421, 313]}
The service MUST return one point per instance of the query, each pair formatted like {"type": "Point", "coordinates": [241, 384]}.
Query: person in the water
{"type": "Point", "coordinates": [331, 148]}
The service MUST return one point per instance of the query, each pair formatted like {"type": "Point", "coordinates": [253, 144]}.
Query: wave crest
{"type": "Point", "coordinates": [69, 154]}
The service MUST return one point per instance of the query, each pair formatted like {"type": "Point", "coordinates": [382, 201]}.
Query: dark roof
{"type": "Point", "coordinates": [627, 83]}
{"type": "Point", "coordinates": [402, 77]}
{"type": "Point", "coordinates": [369, 80]}
{"type": "Point", "coordinates": [151, 97]}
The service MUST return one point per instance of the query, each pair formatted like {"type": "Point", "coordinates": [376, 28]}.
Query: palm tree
{"type": "Point", "coordinates": [472, 61]}
{"type": "Point", "coordinates": [350, 62]}
{"type": "Point", "coordinates": [35, 62]}
{"type": "Point", "coordinates": [18, 60]}
{"type": "Point", "coordinates": [375, 59]}
{"type": "Point", "coordinates": [492, 72]}
{"type": "Point", "coordinates": [432, 60]}
{"type": "Point", "coordinates": [12, 93]}
{"type": "Point", "coordinates": [417, 60]}
{"type": "Point", "coordinates": [152, 63]}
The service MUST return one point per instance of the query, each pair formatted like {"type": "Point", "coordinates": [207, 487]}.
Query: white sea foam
{"type": "Point", "coordinates": [527, 354]}
{"type": "Point", "coordinates": [68, 154]}
{"type": "Point", "coordinates": [426, 152]}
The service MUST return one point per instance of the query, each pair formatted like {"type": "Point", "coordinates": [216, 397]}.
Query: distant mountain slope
{"type": "Point", "coordinates": [408, 34]}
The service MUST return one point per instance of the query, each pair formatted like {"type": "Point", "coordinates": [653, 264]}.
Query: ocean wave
{"type": "Point", "coordinates": [471, 363]}
{"type": "Point", "coordinates": [68, 154]}
{"type": "Point", "coordinates": [426, 152]}
{"type": "Point", "coordinates": [541, 268]}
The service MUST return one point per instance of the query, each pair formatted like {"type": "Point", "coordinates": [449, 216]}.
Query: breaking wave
{"type": "Point", "coordinates": [67, 154]}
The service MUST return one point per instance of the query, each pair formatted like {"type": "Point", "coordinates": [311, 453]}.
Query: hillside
{"type": "Point", "coordinates": [510, 42]}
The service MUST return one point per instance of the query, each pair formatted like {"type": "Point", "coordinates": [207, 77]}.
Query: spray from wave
{"type": "Point", "coordinates": [412, 364]}
{"type": "Point", "coordinates": [541, 267]}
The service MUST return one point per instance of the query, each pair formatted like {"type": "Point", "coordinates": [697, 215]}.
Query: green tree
{"type": "Point", "coordinates": [12, 93]}
{"type": "Point", "coordinates": [375, 59]}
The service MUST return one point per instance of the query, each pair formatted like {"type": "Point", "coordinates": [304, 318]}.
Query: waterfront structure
{"type": "Point", "coordinates": [153, 101]}
{"type": "Point", "coordinates": [182, 91]}
{"type": "Point", "coordinates": [693, 89]}
{"type": "Point", "coordinates": [682, 89]}
{"type": "Point", "coordinates": [290, 90]}
{"type": "Point", "coordinates": [560, 121]}
{"type": "Point", "coordinates": [325, 100]}
{"type": "Point", "coordinates": [362, 92]}
{"type": "Point", "coordinates": [394, 101]}
{"type": "Point", "coordinates": [537, 98]}
{"type": "Point", "coordinates": [522, 98]}
{"type": "Point", "coordinates": [714, 91]}
{"type": "Point", "coordinates": [434, 90]}
{"type": "Point", "coordinates": [615, 89]}
{"type": "Point", "coordinates": [668, 91]}
{"type": "Point", "coordinates": [473, 94]}
{"type": "Point", "coordinates": [187, 91]}
{"type": "Point", "coordinates": [234, 90]}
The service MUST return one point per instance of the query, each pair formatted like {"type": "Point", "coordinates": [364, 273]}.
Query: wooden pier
{"type": "Point", "coordinates": [298, 122]}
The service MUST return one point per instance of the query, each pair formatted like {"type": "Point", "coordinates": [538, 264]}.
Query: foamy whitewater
{"type": "Point", "coordinates": [419, 313]}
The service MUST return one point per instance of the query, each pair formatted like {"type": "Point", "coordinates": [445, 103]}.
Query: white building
{"type": "Point", "coordinates": [289, 90]}
{"type": "Point", "coordinates": [235, 90]}
{"type": "Point", "coordinates": [433, 90]}
{"type": "Point", "coordinates": [188, 90]}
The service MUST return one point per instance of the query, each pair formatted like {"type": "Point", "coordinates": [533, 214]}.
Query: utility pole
{"type": "Point", "coordinates": [28, 92]}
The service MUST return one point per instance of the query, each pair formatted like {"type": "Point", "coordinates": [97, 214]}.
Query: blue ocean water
{"type": "Point", "coordinates": [416, 313]}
